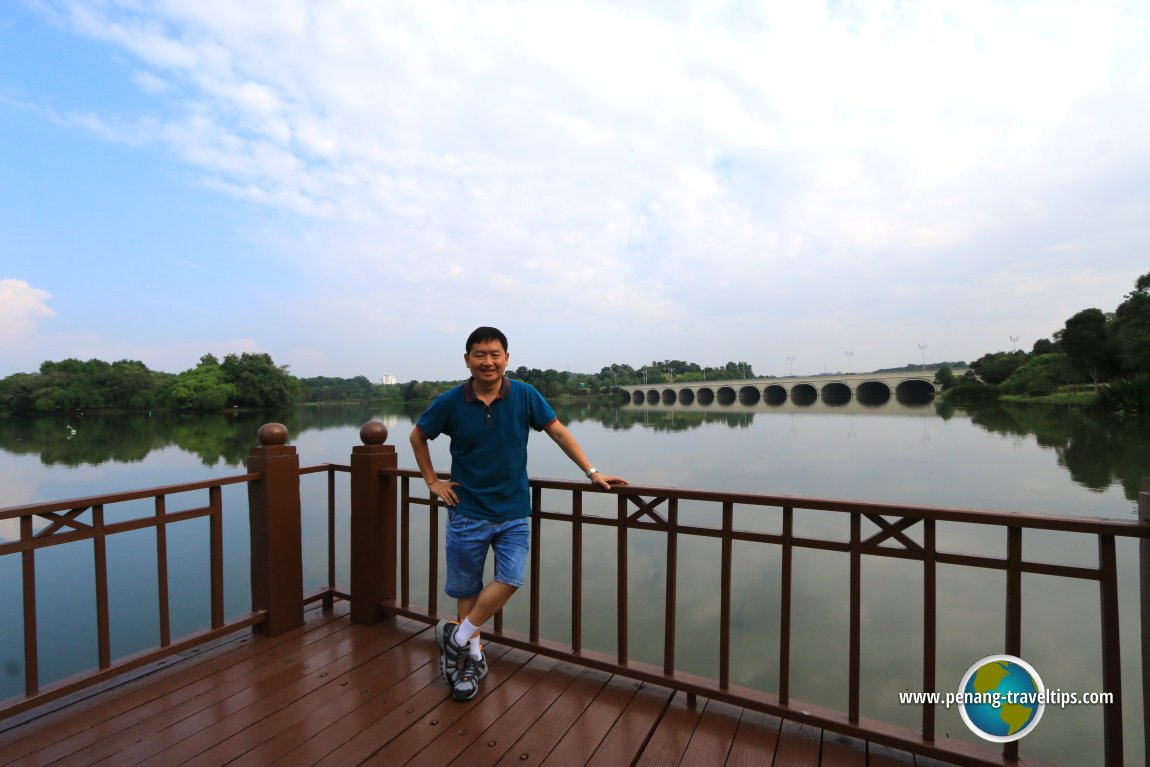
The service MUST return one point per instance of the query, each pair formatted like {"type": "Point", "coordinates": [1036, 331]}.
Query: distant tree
{"type": "Point", "coordinates": [1041, 375]}
{"type": "Point", "coordinates": [996, 367]}
{"type": "Point", "coordinates": [1088, 343]}
{"type": "Point", "coordinates": [204, 387]}
{"type": "Point", "coordinates": [1132, 328]}
{"type": "Point", "coordinates": [326, 389]}
{"type": "Point", "coordinates": [18, 393]}
{"type": "Point", "coordinates": [131, 385]}
{"type": "Point", "coordinates": [944, 377]}
{"type": "Point", "coordinates": [259, 382]}
{"type": "Point", "coordinates": [1043, 346]}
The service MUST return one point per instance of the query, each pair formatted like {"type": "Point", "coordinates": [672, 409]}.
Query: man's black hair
{"type": "Point", "coordinates": [479, 335]}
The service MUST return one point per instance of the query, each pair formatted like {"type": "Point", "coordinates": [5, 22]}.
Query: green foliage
{"type": "Point", "coordinates": [1040, 375]}
{"type": "Point", "coordinates": [1088, 343]}
{"type": "Point", "coordinates": [423, 390]}
{"type": "Point", "coordinates": [970, 390]}
{"type": "Point", "coordinates": [1127, 397]}
{"type": "Point", "coordinates": [259, 382]}
{"type": "Point", "coordinates": [75, 385]}
{"type": "Point", "coordinates": [945, 377]}
{"type": "Point", "coordinates": [204, 387]}
{"type": "Point", "coordinates": [996, 367]}
{"type": "Point", "coordinates": [358, 389]}
{"type": "Point", "coordinates": [1131, 327]}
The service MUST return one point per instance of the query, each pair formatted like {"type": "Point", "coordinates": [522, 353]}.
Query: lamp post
{"type": "Point", "coordinates": [1013, 344]}
{"type": "Point", "coordinates": [922, 351]}
{"type": "Point", "coordinates": [792, 361]}
{"type": "Point", "coordinates": [849, 361]}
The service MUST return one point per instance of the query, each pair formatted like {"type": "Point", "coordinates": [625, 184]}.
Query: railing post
{"type": "Point", "coordinates": [373, 516]}
{"type": "Point", "coordinates": [274, 513]}
{"type": "Point", "coordinates": [1144, 589]}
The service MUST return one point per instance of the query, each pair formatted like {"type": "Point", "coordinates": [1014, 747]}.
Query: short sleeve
{"type": "Point", "coordinates": [434, 420]}
{"type": "Point", "coordinates": [540, 411]}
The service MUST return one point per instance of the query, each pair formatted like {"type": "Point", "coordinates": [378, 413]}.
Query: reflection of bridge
{"type": "Point", "coordinates": [868, 388]}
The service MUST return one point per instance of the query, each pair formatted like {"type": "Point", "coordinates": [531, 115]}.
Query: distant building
{"type": "Point", "coordinates": [388, 379]}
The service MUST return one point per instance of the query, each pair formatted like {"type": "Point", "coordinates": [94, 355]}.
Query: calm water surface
{"type": "Point", "coordinates": [1015, 458]}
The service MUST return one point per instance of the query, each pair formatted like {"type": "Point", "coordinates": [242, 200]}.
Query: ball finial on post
{"type": "Point", "coordinates": [373, 433]}
{"type": "Point", "coordinates": [271, 434]}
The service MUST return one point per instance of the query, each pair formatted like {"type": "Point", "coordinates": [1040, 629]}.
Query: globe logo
{"type": "Point", "coordinates": [1001, 698]}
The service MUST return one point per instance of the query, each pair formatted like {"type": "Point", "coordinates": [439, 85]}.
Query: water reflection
{"type": "Point", "coordinates": [1096, 450]}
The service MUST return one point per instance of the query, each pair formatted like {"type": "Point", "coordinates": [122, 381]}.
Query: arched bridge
{"type": "Point", "coordinates": [873, 388]}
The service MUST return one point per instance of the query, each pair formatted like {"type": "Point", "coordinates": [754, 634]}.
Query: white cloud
{"type": "Point", "coordinates": [22, 308]}
{"type": "Point", "coordinates": [655, 165]}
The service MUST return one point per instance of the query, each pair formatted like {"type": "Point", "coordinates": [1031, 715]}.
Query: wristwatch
{"type": "Point", "coordinates": [591, 471]}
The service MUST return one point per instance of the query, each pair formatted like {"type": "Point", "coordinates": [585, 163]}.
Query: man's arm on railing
{"type": "Point", "coordinates": [569, 445]}
{"type": "Point", "coordinates": [444, 488]}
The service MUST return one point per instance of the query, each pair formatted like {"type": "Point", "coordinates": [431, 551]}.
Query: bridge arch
{"type": "Point", "coordinates": [686, 396]}
{"type": "Point", "coordinates": [749, 395]}
{"type": "Point", "coordinates": [725, 395]}
{"type": "Point", "coordinates": [872, 393]}
{"type": "Point", "coordinates": [836, 393]}
{"type": "Point", "coordinates": [706, 395]}
{"type": "Point", "coordinates": [804, 394]}
{"type": "Point", "coordinates": [775, 394]}
{"type": "Point", "coordinates": [915, 390]}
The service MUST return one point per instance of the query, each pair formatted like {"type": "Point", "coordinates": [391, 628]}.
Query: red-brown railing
{"type": "Point", "coordinates": [272, 480]}
{"type": "Point", "coordinates": [654, 509]}
{"type": "Point", "coordinates": [383, 507]}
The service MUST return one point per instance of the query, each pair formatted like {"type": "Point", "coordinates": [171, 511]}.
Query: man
{"type": "Point", "coordinates": [488, 418]}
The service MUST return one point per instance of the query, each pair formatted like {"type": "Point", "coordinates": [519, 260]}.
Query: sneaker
{"type": "Point", "coordinates": [480, 664]}
{"type": "Point", "coordinates": [451, 654]}
{"type": "Point", "coordinates": [467, 679]}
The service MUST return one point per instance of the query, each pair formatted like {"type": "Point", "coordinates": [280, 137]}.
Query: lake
{"type": "Point", "coordinates": [1007, 457]}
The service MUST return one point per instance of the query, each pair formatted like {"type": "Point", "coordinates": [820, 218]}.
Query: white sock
{"type": "Point", "coordinates": [466, 630]}
{"type": "Point", "coordinates": [476, 647]}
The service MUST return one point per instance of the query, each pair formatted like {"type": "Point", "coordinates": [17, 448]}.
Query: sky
{"type": "Point", "coordinates": [352, 186]}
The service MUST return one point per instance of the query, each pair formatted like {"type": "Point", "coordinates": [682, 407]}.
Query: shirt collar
{"type": "Point", "coordinates": [469, 389]}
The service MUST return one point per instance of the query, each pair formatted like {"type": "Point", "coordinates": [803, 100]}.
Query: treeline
{"type": "Point", "coordinates": [255, 381]}
{"type": "Point", "coordinates": [245, 380]}
{"type": "Point", "coordinates": [1107, 351]}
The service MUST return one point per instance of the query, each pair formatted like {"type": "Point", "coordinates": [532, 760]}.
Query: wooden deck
{"type": "Point", "coordinates": [335, 693]}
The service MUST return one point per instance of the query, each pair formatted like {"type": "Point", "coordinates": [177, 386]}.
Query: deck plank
{"type": "Point", "coordinates": [83, 727]}
{"type": "Point", "coordinates": [711, 742]}
{"type": "Point", "coordinates": [220, 705]}
{"type": "Point", "coordinates": [334, 693]}
{"type": "Point", "coordinates": [260, 723]}
{"type": "Point", "coordinates": [672, 732]}
{"type": "Point", "coordinates": [538, 741]}
{"type": "Point", "coordinates": [633, 729]}
{"type": "Point", "coordinates": [844, 751]}
{"type": "Point", "coordinates": [799, 745]}
{"type": "Point", "coordinates": [588, 732]}
{"type": "Point", "coordinates": [755, 741]}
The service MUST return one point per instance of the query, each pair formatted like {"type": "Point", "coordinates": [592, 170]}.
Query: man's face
{"type": "Point", "coordinates": [487, 360]}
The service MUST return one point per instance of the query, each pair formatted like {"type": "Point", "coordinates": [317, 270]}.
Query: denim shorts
{"type": "Point", "coordinates": [467, 542]}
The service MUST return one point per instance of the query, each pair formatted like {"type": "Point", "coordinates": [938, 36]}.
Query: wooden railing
{"type": "Point", "coordinates": [384, 508]}
{"type": "Point", "coordinates": [656, 510]}
{"type": "Point", "coordinates": [273, 484]}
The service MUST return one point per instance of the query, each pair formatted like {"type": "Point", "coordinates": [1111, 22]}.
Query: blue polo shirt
{"type": "Point", "coordinates": [489, 445]}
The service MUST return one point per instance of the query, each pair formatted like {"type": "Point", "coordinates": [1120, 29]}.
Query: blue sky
{"type": "Point", "coordinates": [352, 187]}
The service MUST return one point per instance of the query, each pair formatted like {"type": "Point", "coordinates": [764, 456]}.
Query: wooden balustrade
{"type": "Point", "coordinates": [383, 506]}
